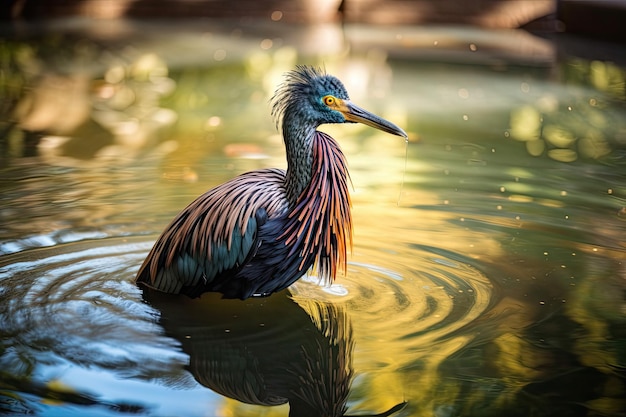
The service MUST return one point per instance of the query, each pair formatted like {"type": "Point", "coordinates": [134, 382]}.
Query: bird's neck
{"type": "Point", "coordinates": [299, 146]}
{"type": "Point", "coordinates": [319, 223]}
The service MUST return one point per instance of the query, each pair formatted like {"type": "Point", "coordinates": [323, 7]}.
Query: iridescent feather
{"type": "Point", "coordinates": [261, 231]}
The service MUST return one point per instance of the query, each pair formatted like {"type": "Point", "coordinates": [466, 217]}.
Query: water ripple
{"type": "Point", "coordinates": [409, 307]}
{"type": "Point", "coordinates": [69, 314]}
{"type": "Point", "coordinates": [76, 303]}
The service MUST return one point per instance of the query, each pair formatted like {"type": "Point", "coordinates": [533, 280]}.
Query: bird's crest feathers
{"type": "Point", "coordinates": [302, 85]}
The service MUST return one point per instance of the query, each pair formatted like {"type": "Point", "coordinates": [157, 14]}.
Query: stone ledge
{"type": "Point", "coordinates": [483, 13]}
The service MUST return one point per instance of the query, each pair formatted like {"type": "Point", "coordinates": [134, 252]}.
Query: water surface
{"type": "Point", "coordinates": [487, 275]}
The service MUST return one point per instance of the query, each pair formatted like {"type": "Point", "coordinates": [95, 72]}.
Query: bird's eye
{"type": "Point", "coordinates": [329, 100]}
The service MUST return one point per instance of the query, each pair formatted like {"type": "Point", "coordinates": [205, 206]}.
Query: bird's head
{"type": "Point", "coordinates": [311, 97]}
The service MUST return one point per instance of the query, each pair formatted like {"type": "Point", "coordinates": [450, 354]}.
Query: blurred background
{"type": "Point", "coordinates": [488, 274]}
{"type": "Point", "coordinates": [590, 17]}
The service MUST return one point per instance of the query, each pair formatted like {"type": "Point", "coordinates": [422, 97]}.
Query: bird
{"type": "Point", "coordinates": [259, 232]}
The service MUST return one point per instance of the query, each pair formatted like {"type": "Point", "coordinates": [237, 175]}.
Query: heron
{"type": "Point", "coordinates": [259, 232]}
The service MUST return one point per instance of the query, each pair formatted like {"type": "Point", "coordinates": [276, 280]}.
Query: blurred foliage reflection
{"type": "Point", "coordinates": [488, 273]}
{"type": "Point", "coordinates": [585, 125]}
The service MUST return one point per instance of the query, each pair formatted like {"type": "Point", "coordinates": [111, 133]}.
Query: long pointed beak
{"type": "Point", "coordinates": [354, 113]}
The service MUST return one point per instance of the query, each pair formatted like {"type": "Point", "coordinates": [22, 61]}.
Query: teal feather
{"type": "Point", "coordinates": [262, 230]}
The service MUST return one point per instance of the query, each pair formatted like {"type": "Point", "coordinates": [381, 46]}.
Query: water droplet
{"type": "Point", "coordinates": [473, 47]}
{"type": "Point", "coordinates": [213, 121]}
{"type": "Point", "coordinates": [219, 55]}
{"type": "Point", "coordinates": [276, 15]}
{"type": "Point", "coordinates": [266, 44]}
{"type": "Point", "coordinates": [465, 117]}
{"type": "Point", "coordinates": [115, 74]}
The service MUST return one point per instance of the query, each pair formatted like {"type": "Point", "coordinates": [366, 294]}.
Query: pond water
{"type": "Point", "coordinates": [488, 273]}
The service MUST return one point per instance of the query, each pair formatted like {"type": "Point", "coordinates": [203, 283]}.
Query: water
{"type": "Point", "coordinates": [487, 275]}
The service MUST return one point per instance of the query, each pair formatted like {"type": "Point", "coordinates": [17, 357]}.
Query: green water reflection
{"type": "Point", "coordinates": [488, 273]}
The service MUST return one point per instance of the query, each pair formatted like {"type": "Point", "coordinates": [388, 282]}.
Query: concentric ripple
{"type": "Point", "coordinates": [75, 325]}
{"type": "Point", "coordinates": [75, 329]}
{"type": "Point", "coordinates": [408, 311]}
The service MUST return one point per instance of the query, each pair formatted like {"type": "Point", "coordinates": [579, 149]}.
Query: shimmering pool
{"type": "Point", "coordinates": [488, 274]}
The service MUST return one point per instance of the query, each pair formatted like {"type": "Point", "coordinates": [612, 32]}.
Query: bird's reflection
{"type": "Point", "coordinates": [266, 351]}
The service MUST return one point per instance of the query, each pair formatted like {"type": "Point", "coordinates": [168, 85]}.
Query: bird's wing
{"type": "Point", "coordinates": [215, 235]}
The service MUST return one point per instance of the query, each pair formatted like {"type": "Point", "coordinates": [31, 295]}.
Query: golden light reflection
{"type": "Point", "coordinates": [525, 123]}
{"type": "Point", "coordinates": [87, 120]}
{"type": "Point", "coordinates": [607, 76]}
{"type": "Point", "coordinates": [430, 294]}
{"type": "Point", "coordinates": [565, 129]}
{"type": "Point", "coordinates": [425, 300]}
{"type": "Point", "coordinates": [57, 104]}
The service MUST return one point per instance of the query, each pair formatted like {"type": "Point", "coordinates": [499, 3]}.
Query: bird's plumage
{"type": "Point", "coordinates": [261, 231]}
